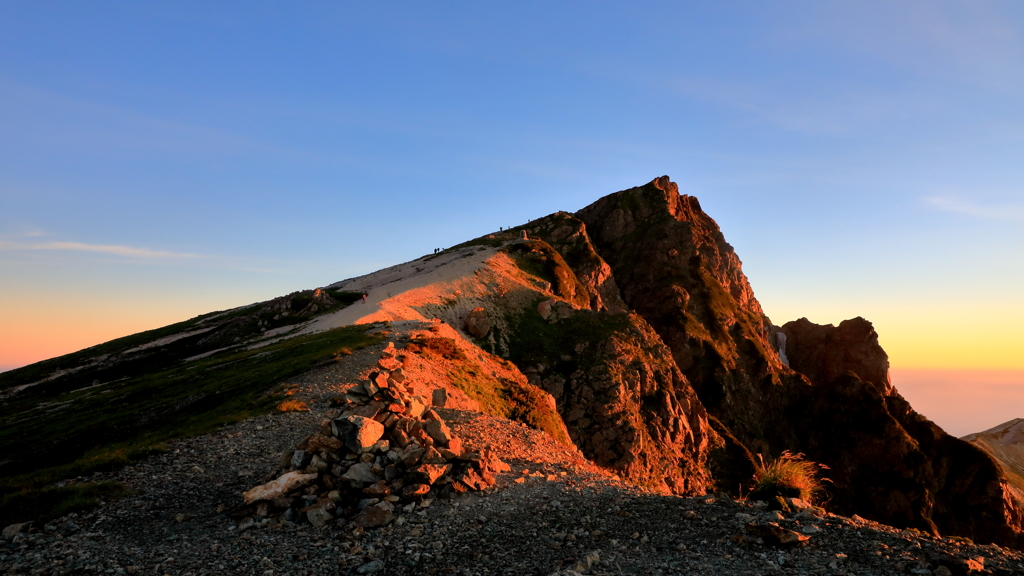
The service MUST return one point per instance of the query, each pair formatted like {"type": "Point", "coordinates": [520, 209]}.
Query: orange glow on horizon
{"type": "Point", "coordinates": [963, 401]}
{"type": "Point", "coordinates": [39, 331]}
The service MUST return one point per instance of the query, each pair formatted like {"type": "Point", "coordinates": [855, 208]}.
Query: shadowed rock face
{"type": "Point", "coordinates": [952, 485]}
{"type": "Point", "coordinates": [824, 353]}
{"type": "Point", "coordinates": [834, 402]}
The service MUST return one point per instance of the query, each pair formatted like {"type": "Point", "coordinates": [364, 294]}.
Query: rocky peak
{"type": "Point", "coordinates": [674, 267]}
{"type": "Point", "coordinates": [833, 401]}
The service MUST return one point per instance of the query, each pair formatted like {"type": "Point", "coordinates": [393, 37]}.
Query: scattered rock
{"type": "Point", "coordinates": [375, 516]}
{"type": "Point", "coordinates": [385, 444]}
{"type": "Point", "coordinates": [277, 488]}
{"type": "Point", "coordinates": [370, 567]}
{"type": "Point", "coordinates": [14, 529]}
{"type": "Point", "coordinates": [319, 517]}
{"type": "Point", "coordinates": [774, 535]}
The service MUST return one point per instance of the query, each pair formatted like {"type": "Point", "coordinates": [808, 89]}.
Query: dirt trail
{"type": "Point", "coordinates": [398, 292]}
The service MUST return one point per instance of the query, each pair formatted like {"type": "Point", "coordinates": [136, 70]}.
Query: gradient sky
{"type": "Point", "coordinates": [160, 160]}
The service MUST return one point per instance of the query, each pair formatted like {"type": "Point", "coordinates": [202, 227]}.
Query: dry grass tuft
{"type": "Point", "coordinates": [788, 476]}
{"type": "Point", "coordinates": [293, 406]}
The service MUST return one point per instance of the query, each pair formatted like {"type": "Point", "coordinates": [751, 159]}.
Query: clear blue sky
{"type": "Point", "coordinates": [163, 159]}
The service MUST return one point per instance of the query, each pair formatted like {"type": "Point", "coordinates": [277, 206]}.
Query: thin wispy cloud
{"type": "Point", "coordinates": [109, 249]}
{"type": "Point", "coordinates": [131, 254]}
{"type": "Point", "coordinates": [1013, 212]}
{"type": "Point", "coordinates": [28, 234]}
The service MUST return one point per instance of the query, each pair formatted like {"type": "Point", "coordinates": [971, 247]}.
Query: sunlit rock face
{"type": "Point", "coordinates": [833, 401]}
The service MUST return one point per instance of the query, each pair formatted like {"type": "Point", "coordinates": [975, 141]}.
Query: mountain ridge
{"type": "Point", "coordinates": [634, 317]}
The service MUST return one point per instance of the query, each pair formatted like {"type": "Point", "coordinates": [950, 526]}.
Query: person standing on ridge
{"type": "Point", "coordinates": [364, 298]}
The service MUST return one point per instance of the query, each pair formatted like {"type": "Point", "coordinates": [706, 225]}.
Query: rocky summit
{"type": "Point", "coordinates": [596, 392]}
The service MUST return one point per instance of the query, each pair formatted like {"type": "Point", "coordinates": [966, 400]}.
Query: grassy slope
{"type": "Point", "coordinates": [122, 406]}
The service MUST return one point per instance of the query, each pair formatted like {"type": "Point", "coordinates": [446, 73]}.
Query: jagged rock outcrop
{"type": "Point", "coordinates": [626, 404]}
{"type": "Point", "coordinates": [824, 353]}
{"type": "Point", "coordinates": [833, 402]}
{"type": "Point", "coordinates": [568, 234]}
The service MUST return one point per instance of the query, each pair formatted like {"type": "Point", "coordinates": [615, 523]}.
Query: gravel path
{"type": "Point", "coordinates": [553, 512]}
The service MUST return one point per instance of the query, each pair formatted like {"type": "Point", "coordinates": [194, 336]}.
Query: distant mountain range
{"type": "Point", "coordinates": [635, 320]}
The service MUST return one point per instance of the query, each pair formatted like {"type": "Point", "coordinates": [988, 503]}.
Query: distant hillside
{"type": "Point", "coordinates": [1005, 443]}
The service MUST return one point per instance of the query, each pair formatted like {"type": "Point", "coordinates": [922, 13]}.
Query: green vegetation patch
{"type": "Point", "coordinates": [53, 432]}
{"type": "Point", "coordinates": [533, 340]}
{"type": "Point", "coordinates": [498, 397]}
{"type": "Point", "coordinates": [538, 258]}
{"type": "Point", "coordinates": [44, 504]}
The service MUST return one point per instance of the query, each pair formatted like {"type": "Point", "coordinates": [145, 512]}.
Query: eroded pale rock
{"type": "Point", "coordinates": [279, 487]}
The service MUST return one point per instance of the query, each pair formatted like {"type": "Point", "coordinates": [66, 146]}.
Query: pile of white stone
{"type": "Point", "coordinates": [386, 449]}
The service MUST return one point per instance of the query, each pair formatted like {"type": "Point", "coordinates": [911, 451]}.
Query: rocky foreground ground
{"type": "Point", "coordinates": [554, 512]}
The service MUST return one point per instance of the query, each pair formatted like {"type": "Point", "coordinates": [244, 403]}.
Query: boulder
{"type": "Point", "coordinates": [300, 459]}
{"type": "Point", "coordinates": [375, 516]}
{"type": "Point", "coordinates": [439, 432]}
{"type": "Point", "coordinates": [318, 442]}
{"type": "Point", "coordinates": [363, 433]}
{"type": "Point", "coordinates": [413, 490]}
{"type": "Point", "coordinates": [398, 375]}
{"type": "Point", "coordinates": [477, 323]}
{"type": "Point", "coordinates": [774, 535]}
{"type": "Point", "coordinates": [439, 397]}
{"type": "Point", "coordinates": [430, 473]}
{"type": "Point", "coordinates": [319, 517]}
{"type": "Point", "coordinates": [361, 472]}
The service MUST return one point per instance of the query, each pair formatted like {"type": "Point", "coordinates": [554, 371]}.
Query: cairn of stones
{"type": "Point", "coordinates": [386, 450]}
